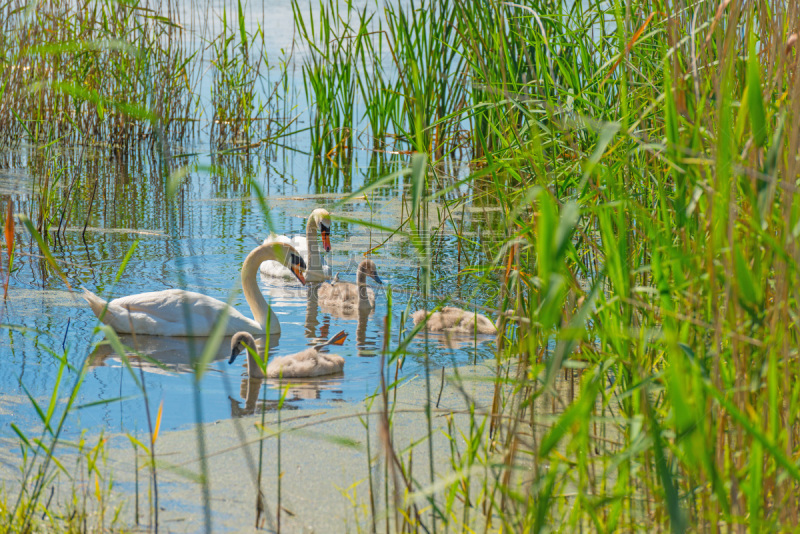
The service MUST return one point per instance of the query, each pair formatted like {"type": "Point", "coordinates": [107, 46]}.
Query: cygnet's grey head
{"type": "Point", "coordinates": [367, 266]}
{"type": "Point", "coordinates": [239, 342]}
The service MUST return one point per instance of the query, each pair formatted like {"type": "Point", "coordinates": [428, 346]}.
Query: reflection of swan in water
{"type": "Point", "coordinates": [364, 347]}
{"type": "Point", "coordinates": [307, 363]}
{"type": "Point", "coordinates": [455, 321]}
{"type": "Point", "coordinates": [162, 355]}
{"type": "Point", "coordinates": [162, 313]}
{"type": "Point", "coordinates": [297, 390]}
{"type": "Point", "coordinates": [307, 246]}
{"type": "Point", "coordinates": [249, 391]}
{"type": "Point", "coordinates": [312, 322]}
{"type": "Point", "coordinates": [283, 293]}
{"type": "Point", "coordinates": [454, 341]}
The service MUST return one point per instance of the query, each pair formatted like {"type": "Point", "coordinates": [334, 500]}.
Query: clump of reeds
{"type": "Point", "coordinates": [242, 115]}
{"type": "Point", "coordinates": [95, 72]}
{"type": "Point", "coordinates": [403, 73]}
{"type": "Point", "coordinates": [329, 76]}
{"type": "Point", "coordinates": [644, 163]}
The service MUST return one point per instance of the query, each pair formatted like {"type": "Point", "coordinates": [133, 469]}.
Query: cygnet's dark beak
{"type": "Point", "coordinates": [234, 353]}
{"type": "Point", "coordinates": [377, 279]}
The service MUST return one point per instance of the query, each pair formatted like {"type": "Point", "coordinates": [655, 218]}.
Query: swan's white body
{"type": "Point", "coordinates": [347, 298]}
{"type": "Point", "coordinates": [161, 313]}
{"type": "Point", "coordinates": [307, 363]}
{"type": "Point", "coordinates": [455, 320]}
{"type": "Point", "coordinates": [307, 247]}
{"type": "Point", "coordinates": [174, 312]}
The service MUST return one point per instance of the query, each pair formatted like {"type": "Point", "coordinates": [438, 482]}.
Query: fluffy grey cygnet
{"type": "Point", "coordinates": [455, 320]}
{"type": "Point", "coordinates": [344, 298]}
{"type": "Point", "coordinates": [307, 363]}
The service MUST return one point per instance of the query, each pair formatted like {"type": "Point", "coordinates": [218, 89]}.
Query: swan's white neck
{"type": "Point", "coordinates": [314, 259]}
{"type": "Point", "coordinates": [258, 305]}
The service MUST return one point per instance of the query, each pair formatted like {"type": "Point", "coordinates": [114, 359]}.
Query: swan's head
{"type": "Point", "coordinates": [287, 255]}
{"type": "Point", "coordinates": [323, 219]}
{"type": "Point", "coordinates": [296, 265]}
{"type": "Point", "coordinates": [368, 267]}
{"type": "Point", "coordinates": [239, 342]}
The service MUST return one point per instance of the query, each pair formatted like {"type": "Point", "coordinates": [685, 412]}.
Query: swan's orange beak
{"type": "Point", "coordinates": [298, 272]}
{"type": "Point", "coordinates": [326, 238]}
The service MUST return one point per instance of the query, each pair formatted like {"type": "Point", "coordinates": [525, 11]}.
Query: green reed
{"type": "Point", "coordinates": [239, 113]}
{"type": "Point", "coordinates": [329, 76]}
{"type": "Point", "coordinates": [676, 276]}
{"type": "Point", "coordinates": [407, 68]}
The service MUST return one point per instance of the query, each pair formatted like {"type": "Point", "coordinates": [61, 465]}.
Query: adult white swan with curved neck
{"type": "Point", "coordinates": [307, 246]}
{"type": "Point", "coordinates": [163, 313]}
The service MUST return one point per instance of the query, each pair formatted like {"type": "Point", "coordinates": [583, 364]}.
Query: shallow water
{"type": "Point", "coordinates": [197, 241]}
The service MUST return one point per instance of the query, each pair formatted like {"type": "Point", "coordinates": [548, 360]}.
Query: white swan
{"type": "Point", "coordinates": [347, 298]}
{"type": "Point", "coordinates": [455, 320]}
{"type": "Point", "coordinates": [307, 246]}
{"type": "Point", "coordinates": [307, 363]}
{"type": "Point", "coordinates": [163, 313]}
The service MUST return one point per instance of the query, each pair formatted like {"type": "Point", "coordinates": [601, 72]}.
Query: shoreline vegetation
{"type": "Point", "coordinates": [637, 164]}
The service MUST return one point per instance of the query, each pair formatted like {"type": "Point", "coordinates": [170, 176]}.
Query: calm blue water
{"type": "Point", "coordinates": [205, 257]}
{"type": "Point", "coordinates": [197, 240]}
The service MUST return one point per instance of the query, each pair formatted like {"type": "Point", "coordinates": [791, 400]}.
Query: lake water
{"type": "Point", "coordinates": [198, 240]}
